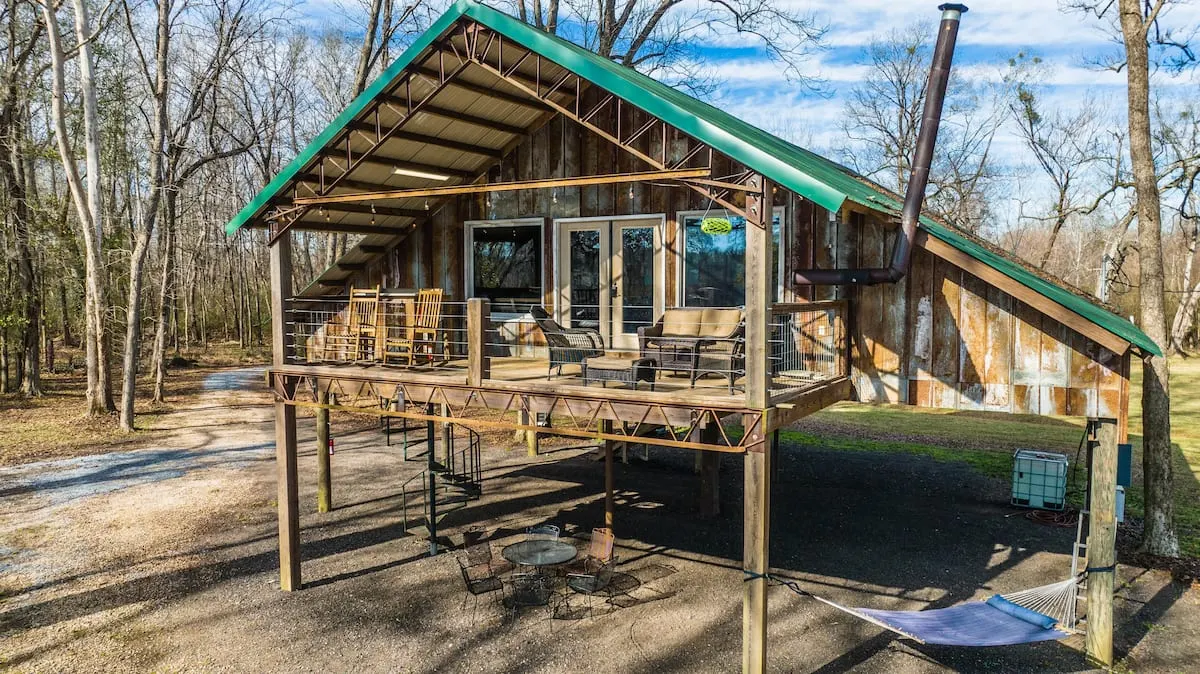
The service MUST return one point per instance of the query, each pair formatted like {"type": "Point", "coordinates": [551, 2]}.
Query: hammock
{"type": "Point", "coordinates": [1043, 613]}
{"type": "Point", "coordinates": [1002, 620]}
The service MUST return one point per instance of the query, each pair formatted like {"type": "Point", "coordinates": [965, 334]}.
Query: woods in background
{"type": "Point", "coordinates": [131, 131]}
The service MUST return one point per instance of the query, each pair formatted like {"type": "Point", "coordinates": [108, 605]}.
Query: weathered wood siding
{"type": "Point", "coordinates": [944, 338]}
{"type": "Point", "coordinates": [941, 338]}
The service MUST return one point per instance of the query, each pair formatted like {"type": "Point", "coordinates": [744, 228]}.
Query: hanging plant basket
{"type": "Point", "coordinates": [716, 226]}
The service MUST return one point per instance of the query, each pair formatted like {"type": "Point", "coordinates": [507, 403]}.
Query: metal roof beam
{"type": "Point", "coordinates": [481, 150]}
{"type": "Point", "coordinates": [542, 183]}
{"type": "Point", "coordinates": [346, 228]}
{"type": "Point", "coordinates": [463, 117]}
{"type": "Point", "coordinates": [385, 211]}
{"type": "Point", "coordinates": [484, 90]}
{"type": "Point", "coordinates": [360, 185]}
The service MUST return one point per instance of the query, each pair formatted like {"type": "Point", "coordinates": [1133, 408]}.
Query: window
{"type": "Point", "coordinates": [714, 265]}
{"type": "Point", "coordinates": [505, 261]}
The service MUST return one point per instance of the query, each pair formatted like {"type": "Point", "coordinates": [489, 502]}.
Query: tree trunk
{"type": "Point", "coordinates": [29, 303]}
{"type": "Point", "coordinates": [88, 202]}
{"type": "Point", "coordinates": [5, 384]}
{"type": "Point", "coordinates": [165, 300]}
{"type": "Point", "coordinates": [1159, 535]}
{"type": "Point", "coordinates": [65, 315]}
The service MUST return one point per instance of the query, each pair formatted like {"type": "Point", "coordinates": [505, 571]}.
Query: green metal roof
{"type": "Point", "coordinates": [816, 178]}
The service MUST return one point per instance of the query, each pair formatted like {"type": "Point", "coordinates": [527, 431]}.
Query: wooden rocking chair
{"type": "Point", "coordinates": [364, 329]}
{"type": "Point", "coordinates": [420, 328]}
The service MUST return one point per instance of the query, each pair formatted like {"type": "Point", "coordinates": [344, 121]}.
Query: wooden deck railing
{"type": "Point", "coordinates": [808, 341]}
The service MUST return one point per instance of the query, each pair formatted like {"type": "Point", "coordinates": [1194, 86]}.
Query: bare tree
{"type": "Point", "coordinates": [89, 199]}
{"type": "Point", "coordinates": [21, 39]}
{"type": "Point", "coordinates": [1068, 146]}
{"type": "Point", "coordinates": [1138, 24]}
{"type": "Point", "coordinates": [659, 38]}
{"type": "Point", "coordinates": [883, 115]}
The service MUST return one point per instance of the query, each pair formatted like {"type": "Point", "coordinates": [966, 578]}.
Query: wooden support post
{"type": "Point", "coordinates": [606, 427]}
{"type": "Point", "coordinates": [479, 364]}
{"type": "Point", "coordinates": [756, 562]}
{"type": "Point", "coordinates": [288, 492]}
{"type": "Point", "coordinates": [759, 283]}
{"type": "Point", "coordinates": [710, 474]}
{"type": "Point", "coordinates": [527, 418]}
{"type": "Point", "coordinates": [1102, 543]}
{"type": "Point", "coordinates": [757, 494]}
{"type": "Point", "coordinates": [324, 479]}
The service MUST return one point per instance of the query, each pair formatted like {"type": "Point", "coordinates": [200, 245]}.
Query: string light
{"type": "Point", "coordinates": [372, 214]}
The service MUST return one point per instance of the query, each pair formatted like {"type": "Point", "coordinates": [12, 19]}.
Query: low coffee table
{"type": "Point", "coordinates": [624, 370]}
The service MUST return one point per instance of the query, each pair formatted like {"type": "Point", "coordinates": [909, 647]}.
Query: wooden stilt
{"type": "Point", "coordinates": [288, 497]}
{"type": "Point", "coordinates": [324, 478]}
{"type": "Point", "coordinates": [531, 438]}
{"type": "Point", "coordinates": [757, 491]}
{"type": "Point", "coordinates": [710, 484]}
{"type": "Point", "coordinates": [1102, 541]}
{"type": "Point", "coordinates": [710, 475]}
{"type": "Point", "coordinates": [288, 492]}
{"type": "Point", "coordinates": [608, 478]}
{"type": "Point", "coordinates": [756, 522]}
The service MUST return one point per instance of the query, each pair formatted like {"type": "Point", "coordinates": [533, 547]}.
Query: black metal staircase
{"type": "Point", "coordinates": [451, 479]}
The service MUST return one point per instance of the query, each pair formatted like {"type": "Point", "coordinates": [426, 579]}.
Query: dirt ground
{"type": "Point", "coordinates": [164, 559]}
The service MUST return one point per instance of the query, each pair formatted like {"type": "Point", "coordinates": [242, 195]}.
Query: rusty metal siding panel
{"type": "Point", "coordinates": [997, 369]}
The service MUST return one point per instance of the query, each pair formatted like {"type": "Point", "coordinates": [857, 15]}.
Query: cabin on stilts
{"type": "Point", "coordinates": [545, 241]}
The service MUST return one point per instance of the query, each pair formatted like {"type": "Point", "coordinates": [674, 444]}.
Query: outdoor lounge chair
{"type": "Point", "coordinates": [698, 341]}
{"type": "Point", "coordinates": [567, 346]}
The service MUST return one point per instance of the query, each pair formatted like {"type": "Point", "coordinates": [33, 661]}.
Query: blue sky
{"type": "Point", "coordinates": [992, 31]}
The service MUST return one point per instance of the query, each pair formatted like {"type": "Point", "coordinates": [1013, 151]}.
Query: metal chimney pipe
{"type": "Point", "coordinates": [918, 179]}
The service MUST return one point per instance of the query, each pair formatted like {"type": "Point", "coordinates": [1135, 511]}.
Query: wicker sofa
{"type": "Point", "coordinates": [698, 341]}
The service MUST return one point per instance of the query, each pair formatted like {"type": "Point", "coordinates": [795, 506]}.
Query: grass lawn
{"type": "Point", "coordinates": [986, 440]}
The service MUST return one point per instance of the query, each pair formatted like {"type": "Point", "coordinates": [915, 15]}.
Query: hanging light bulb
{"type": "Point", "coordinates": [554, 196]}
{"type": "Point", "coordinates": [372, 214]}
{"type": "Point", "coordinates": [427, 204]}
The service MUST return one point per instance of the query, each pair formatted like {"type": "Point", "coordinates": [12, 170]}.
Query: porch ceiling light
{"type": "Point", "coordinates": [420, 174]}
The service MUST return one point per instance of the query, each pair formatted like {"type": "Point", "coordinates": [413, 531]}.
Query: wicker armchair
{"type": "Point", "coordinates": [568, 346]}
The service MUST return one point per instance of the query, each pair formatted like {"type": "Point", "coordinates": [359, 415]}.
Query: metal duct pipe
{"type": "Point", "coordinates": [918, 179]}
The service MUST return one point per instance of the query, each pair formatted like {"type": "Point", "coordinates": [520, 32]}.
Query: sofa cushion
{"type": "Point", "coordinates": [719, 323]}
{"type": "Point", "coordinates": [681, 323]}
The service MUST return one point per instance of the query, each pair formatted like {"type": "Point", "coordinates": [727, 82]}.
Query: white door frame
{"type": "Point", "coordinates": [607, 224]}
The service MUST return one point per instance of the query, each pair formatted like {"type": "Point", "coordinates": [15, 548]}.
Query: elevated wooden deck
{"type": "Point", "coordinates": [517, 388]}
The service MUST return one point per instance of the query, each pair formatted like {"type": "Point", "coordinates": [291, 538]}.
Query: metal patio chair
{"type": "Point", "coordinates": [590, 577]}
{"type": "Point", "coordinates": [478, 574]}
{"type": "Point", "coordinates": [543, 532]}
